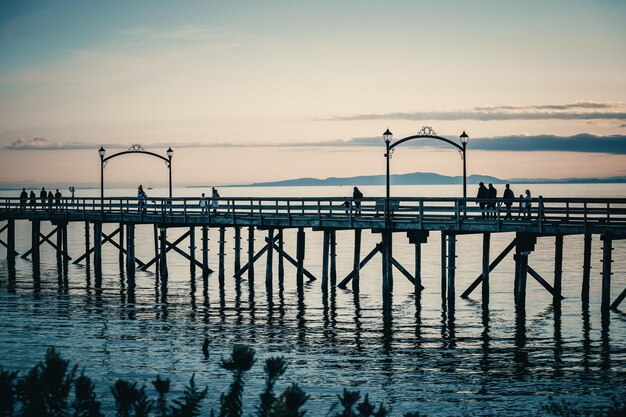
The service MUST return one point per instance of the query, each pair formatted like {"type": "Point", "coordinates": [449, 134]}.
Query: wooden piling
{"type": "Point", "coordinates": [281, 256]}
{"type": "Point", "coordinates": [251, 253]}
{"type": "Point", "coordinates": [558, 268]}
{"type": "Point", "coordinates": [130, 248]}
{"type": "Point", "coordinates": [237, 250]}
{"type": "Point", "coordinates": [444, 265]}
{"type": "Point", "coordinates": [121, 248]}
{"type": "Point", "coordinates": [356, 261]}
{"type": "Point", "coordinates": [59, 248]}
{"type": "Point", "coordinates": [205, 252]}
{"type": "Point", "coordinates": [192, 251]}
{"type": "Point", "coordinates": [522, 272]}
{"type": "Point", "coordinates": [387, 252]}
{"type": "Point", "coordinates": [607, 259]}
{"type": "Point", "coordinates": [486, 268]}
{"type": "Point", "coordinates": [11, 253]}
{"type": "Point", "coordinates": [155, 231]}
{"type": "Point", "coordinates": [451, 271]}
{"type": "Point", "coordinates": [97, 248]}
{"type": "Point", "coordinates": [586, 269]}
{"type": "Point", "coordinates": [221, 255]}
{"type": "Point", "coordinates": [325, 254]}
{"type": "Point", "coordinates": [300, 250]}
{"type": "Point", "coordinates": [270, 260]}
{"type": "Point", "coordinates": [333, 258]}
{"type": "Point", "coordinates": [87, 244]}
{"type": "Point", "coordinates": [418, 268]}
{"type": "Point", "coordinates": [163, 254]}
{"type": "Point", "coordinates": [66, 253]}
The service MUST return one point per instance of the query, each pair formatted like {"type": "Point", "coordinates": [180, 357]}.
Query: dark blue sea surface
{"type": "Point", "coordinates": [412, 357]}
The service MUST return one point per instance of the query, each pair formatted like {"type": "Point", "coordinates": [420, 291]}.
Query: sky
{"type": "Point", "coordinates": [266, 90]}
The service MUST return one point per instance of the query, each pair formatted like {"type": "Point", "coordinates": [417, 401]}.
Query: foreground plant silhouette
{"type": "Point", "coordinates": [52, 389]}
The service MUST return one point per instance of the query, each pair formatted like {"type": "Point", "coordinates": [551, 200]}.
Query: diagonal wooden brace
{"type": "Point", "coordinates": [114, 243]}
{"type": "Point", "coordinates": [105, 238]}
{"type": "Point", "coordinates": [402, 269]}
{"type": "Point", "coordinates": [540, 280]}
{"type": "Point", "coordinates": [28, 252]}
{"type": "Point", "coordinates": [364, 262]}
{"type": "Point", "coordinates": [255, 258]}
{"type": "Point", "coordinates": [618, 300]}
{"type": "Point", "coordinates": [183, 254]}
{"type": "Point", "coordinates": [292, 261]}
{"type": "Point", "coordinates": [7, 246]}
{"type": "Point", "coordinates": [46, 239]}
{"type": "Point", "coordinates": [170, 246]}
{"type": "Point", "coordinates": [492, 266]}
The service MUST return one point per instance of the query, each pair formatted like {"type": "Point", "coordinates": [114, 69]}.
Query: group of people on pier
{"type": "Point", "coordinates": [487, 199]}
{"type": "Point", "coordinates": [206, 204]}
{"type": "Point", "coordinates": [46, 201]}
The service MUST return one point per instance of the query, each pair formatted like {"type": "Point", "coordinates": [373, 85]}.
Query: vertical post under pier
{"type": "Point", "coordinates": [163, 254]}
{"type": "Point", "coordinates": [325, 248]}
{"type": "Point", "coordinates": [451, 271]}
{"type": "Point", "coordinates": [357, 259]}
{"type": "Point", "coordinates": [97, 248]}
{"type": "Point", "coordinates": [87, 244]}
{"type": "Point", "coordinates": [237, 250]}
{"type": "Point", "coordinates": [485, 265]}
{"type": "Point", "coordinates": [607, 249]}
{"type": "Point", "coordinates": [221, 254]}
{"type": "Point", "coordinates": [387, 265]}
{"type": "Point", "coordinates": [281, 257]}
{"type": "Point", "coordinates": [130, 248]}
{"type": "Point", "coordinates": [59, 248]}
{"type": "Point", "coordinates": [300, 249]}
{"type": "Point", "coordinates": [521, 260]}
{"type": "Point", "coordinates": [156, 248]}
{"type": "Point", "coordinates": [333, 258]}
{"type": "Point", "coordinates": [121, 249]}
{"type": "Point", "coordinates": [192, 251]}
{"type": "Point", "coordinates": [11, 243]}
{"type": "Point", "coordinates": [444, 262]}
{"type": "Point", "coordinates": [35, 231]}
{"type": "Point", "coordinates": [586, 269]}
{"type": "Point", "coordinates": [558, 269]}
{"type": "Point", "coordinates": [270, 259]}
{"type": "Point", "coordinates": [205, 252]}
{"type": "Point", "coordinates": [66, 252]}
{"type": "Point", "coordinates": [251, 254]}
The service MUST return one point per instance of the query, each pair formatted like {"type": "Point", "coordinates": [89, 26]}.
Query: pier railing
{"type": "Point", "coordinates": [405, 212]}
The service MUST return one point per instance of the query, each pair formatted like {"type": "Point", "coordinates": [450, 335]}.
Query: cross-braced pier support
{"type": "Point", "coordinates": [10, 243]}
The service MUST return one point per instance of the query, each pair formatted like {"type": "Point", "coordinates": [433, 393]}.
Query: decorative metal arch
{"type": "Point", "coordinates": [137, 149]}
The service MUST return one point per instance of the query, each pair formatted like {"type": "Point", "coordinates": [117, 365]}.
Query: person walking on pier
{"type": "Point", "coordinates": [481, 196]}
{"type": "Point", "coordinates": [33, 200]}
{"type": "Point", "coordinates": [541, 209]}
{"type": "Point", "coordinates": [527, 204]}
{"type": "Point", "coordinates": [50, 200]}
{"type": "Point", "coordinates": [23, 199]}
{"type": "Point", "coordinates": [43, 195]}
{"type": "Point", "coordinates": [357, 196]}
{"type": "Point", "coordinates": [204, 205]}
{"type": "Point", "coordinates": [57, 199]}
{"type": "Point", "coordinates": [507, 199]}
{"type": "Point", "coordinates": [142, 198]}
{"type": "Point", "coordinates": [215, 200]}
{"type": "Point", "coordinates": [492, 193]}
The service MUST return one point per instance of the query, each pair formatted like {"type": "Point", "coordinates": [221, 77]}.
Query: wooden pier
{"type": "Point", "coordinates": [412, 218]}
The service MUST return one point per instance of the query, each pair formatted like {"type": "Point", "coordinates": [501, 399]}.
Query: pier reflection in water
{"type": "Point", "coordinates": [411, 351]}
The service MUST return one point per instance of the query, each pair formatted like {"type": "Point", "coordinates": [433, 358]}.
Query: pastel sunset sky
{"type": "Point", "coordinates": [247, 91]}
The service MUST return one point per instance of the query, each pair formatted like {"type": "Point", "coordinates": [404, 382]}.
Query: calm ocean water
{"type": "Point", "coordinates": [410, 360]}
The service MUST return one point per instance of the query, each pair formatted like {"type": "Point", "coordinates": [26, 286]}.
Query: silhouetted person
{"type": "Point", "coordinates": [57, 199]}
{"type": "Point", "coordinates": [527, 204]}
{"type": "Point", "coordinates": [215, 200]}
{"type": "Point", "coordinates": [33, 200]}
{"type": "Point", "coordinates": [204, 205]}
{"type": "Point", "coordinates": [481, 196]}
{"type": "Point", "coordinates": [142, 197]}
{"type": "Point", "coordinates": [522, 206]}
{"type": "Point", "coordinates": [43, 195]}
{"type": "Point", "coordinates": [507, 199]}
{"type": "Point", "coordinates": [50, 200]}
{"type": "Point", "coordinates": [357, 196]}
{"type": "Point", "coordinates": [541, 208]}
{"type": "Point", "coordinates": [492, 194]}
{"type": "Point", "coordinates": [23, 199]}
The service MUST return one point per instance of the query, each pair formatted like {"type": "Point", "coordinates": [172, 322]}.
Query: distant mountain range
{"type": "Point", "coordinates": [422, 178]}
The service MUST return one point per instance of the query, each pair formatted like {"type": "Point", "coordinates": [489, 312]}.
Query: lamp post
{"type": "Point", "coordinates": [101, 151]}
{"type": "Point", "coordinates": [464, 139]}
{"type": "Point", "coordinates": [170, 153]}
{"type": "Point", "coordinates": [387, 138]}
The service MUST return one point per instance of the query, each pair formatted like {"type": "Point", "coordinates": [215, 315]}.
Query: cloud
{"type": "Point", "coordinates": [584, 142]}
{"type": "Point", "coordinates": [36, 144]}
{"type": "Point", "coordinates": [582, 110]}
